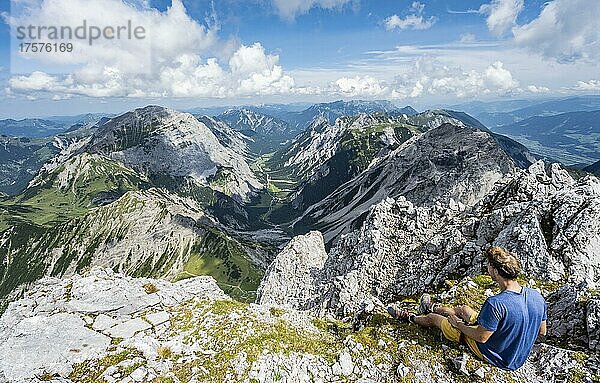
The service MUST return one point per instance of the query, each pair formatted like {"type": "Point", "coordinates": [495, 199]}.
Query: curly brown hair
{"type": "Point", "coordinates": [507, 264]}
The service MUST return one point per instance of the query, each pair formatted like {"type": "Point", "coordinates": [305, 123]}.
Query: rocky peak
{"type": "Point", "coordinates": [128, 129]}
{"type": "Point", "coordinates": [294, 273]}
{"type": "Point", "coordinates": [250, 121]}
{"type": "Point", "coordinates": [103, 326]}
{"type": "Point", "coordinates": [538, 182]}
{"type": "Point", "coordinates": [549, 220]}
{"type": "Point", "coordinates": [448, 162]}
{"type": "Point", "coordinates": [227, 136]}
{"type": "Point", "coordinates": [158, 140]}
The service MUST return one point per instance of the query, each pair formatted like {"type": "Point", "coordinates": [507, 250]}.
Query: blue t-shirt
{"type": "Point", "coordinates": [515, 319]}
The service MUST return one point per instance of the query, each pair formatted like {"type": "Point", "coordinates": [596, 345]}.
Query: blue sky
{"type": "Point", "coordinates": [242, 52]}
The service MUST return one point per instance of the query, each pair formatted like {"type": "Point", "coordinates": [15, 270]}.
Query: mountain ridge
{"type": "Point", "coordinates": [571, 137]}
{"type": "Point", "coordinates": [164, 141]}
{"type": "Point", "coordinates": [399, 172]}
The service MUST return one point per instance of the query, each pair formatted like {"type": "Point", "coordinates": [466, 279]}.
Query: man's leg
{"type": "Point", "coordinates": [445, 311]}
{"type": "Point", "coordinates": [439, 319]}
{"type": "Point", "coordinates": [430, 320]}
{"type": "Point", "coordinates": [441, 322]}
{"type": "Point", "coordinates": [466, 313]}
{"type": "Point", "coordinates": [427, 306]}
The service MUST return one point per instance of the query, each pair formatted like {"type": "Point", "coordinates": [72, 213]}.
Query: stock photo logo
{"type": "Point", "coordinates": [31, 34]}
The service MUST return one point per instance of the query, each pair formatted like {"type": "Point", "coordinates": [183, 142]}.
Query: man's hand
{"type": "Point", "coordinates": [454, 320]}
{"type": "Point", "coordinates": [478, 333]}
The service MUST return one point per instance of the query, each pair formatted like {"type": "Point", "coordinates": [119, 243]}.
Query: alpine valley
{"type": "Point", "coordinates": [262, 243]}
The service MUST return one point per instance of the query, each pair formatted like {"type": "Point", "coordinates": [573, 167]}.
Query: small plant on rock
{"type": "Point", "coordinates": [46, 376]}
{"type": "Point", "coordinates": [164, 352]}
{"type": "Point", "coordinates": [150, 288]}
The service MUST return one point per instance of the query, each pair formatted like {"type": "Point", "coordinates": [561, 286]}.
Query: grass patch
{"type": "Point", "coordinates": [228, 334]}
{"type": "Point", "coordinates": [223, 258]}
{"type": "Point", "coordinates": [164, 352]}
{"type": "Point", "coordinates": [93, 179]}
{"type": "Point", "coordinates": [273, 188]}
{"type": "Point", "coordinates": [47, 376]}
{"type": "Point", "coordinates": [90, 370]}
{"type": "Point", "coordinates": [276, 311]}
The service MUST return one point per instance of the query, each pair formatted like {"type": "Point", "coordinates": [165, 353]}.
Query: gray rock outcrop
{"type": "Point", "coordinates": [543, 215]}
{"type": "Point", "coordinates": [104, 326]}
{"type": "Point", "coordinates": [573, 316]}
{"type": "Point", "coordinates": [60, 323]}
{"type": "Point", "coordinates": [293, 278]}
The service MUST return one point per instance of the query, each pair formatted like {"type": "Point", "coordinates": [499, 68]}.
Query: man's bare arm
{"type": "Point", "coordinates": [479, 334]}
{"type": "Point", "coordinates": [542, 331]}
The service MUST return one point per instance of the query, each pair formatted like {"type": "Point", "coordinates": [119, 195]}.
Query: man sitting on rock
{"type": "Point", "coordinates": [504, 331]}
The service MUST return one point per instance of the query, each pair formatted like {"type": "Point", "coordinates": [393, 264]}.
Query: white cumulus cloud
{"type": "Point", "coordinates": [417, 7]}
{"type": "Point", "coordinates": [428, 76]}
{"type": "Point", "coordinates": [593, 85]}
{"type": "Point", "coordinates": [497, 77]}
{"type": "Point", "coordinates": [538, 89]}
{"type": "Point", "coordinates": [289, 9]}
{"type": "Point", "coordinates": [565, 30]}
{"type": "Point", "coordinates": [36, 81]}
{"type": "Point", "coordinates": [363, 86]}
{"type": "Point", "coordinates": [501, 15]}
{"type": "Point", "coordinates": [467, 38]}
{"type": "Point", "coordinates": [409, 22]}
{"type": "Point", "coordinates": [182, 58]}
{"type": "Point", "coordinates": [431, 77]}
{"type": "Point", "coordinates": [415, 20]}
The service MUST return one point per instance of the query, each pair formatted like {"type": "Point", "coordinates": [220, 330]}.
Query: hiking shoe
{"type": "Point", "coordinates": [425, 305]}
{"type": "Point", "coordinates": [400, 314]}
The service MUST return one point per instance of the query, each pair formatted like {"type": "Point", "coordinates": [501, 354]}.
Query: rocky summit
{"type": "Point", "coordinates": [551, 220]}
{"type": "Point", "coordinates": [106, 327]}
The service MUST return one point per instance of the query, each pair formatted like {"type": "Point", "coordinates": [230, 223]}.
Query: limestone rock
{"type": "Point", "coordinates": [593, 323]}
{"type": "Point", "coordinates": [548, 219]}
{"type": "Point", "coordinates": [129, 328]}
{"type": "Point", "coordinates": [460, 363]}
{"type": "Point", "coordinates": [192, 331]}
{"type": "Point", "coordinates": [480, 373]}
{"type": "Point", "coordinates": [48, 344]}
{"type": "Point", "coordinates": [573, 314]}
{"type": "Point", "coordinates": [46, 332]}
{"type": "Point", "coordinates": [293, 278]}
{"type": "Point", "coordinates": [346, 364]}
{"type": "Point", "coordinates": [158, 318]}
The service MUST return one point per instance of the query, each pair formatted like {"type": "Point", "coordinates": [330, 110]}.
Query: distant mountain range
{"type": "Point", "coordinates": [251, 123]}
{"type": "Point", "coordinates": [572, 138]}
{"type": "Point", "coordinates": [46, 127]}
{"type": "Point", "coordinates": [566, 130]}
{"type": "Point", "coordinates": [264, 133]}
{"type": "Point", "coordinates": [333, 110]}
{"type": "Point", "coordinates": [21, 158]}
{"type": "Point", "coordinates": [593, 168]}
{"type": "Point", "coordinates": [493, 114]}
{"type": "Point", "coordinates": [30, 127]}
